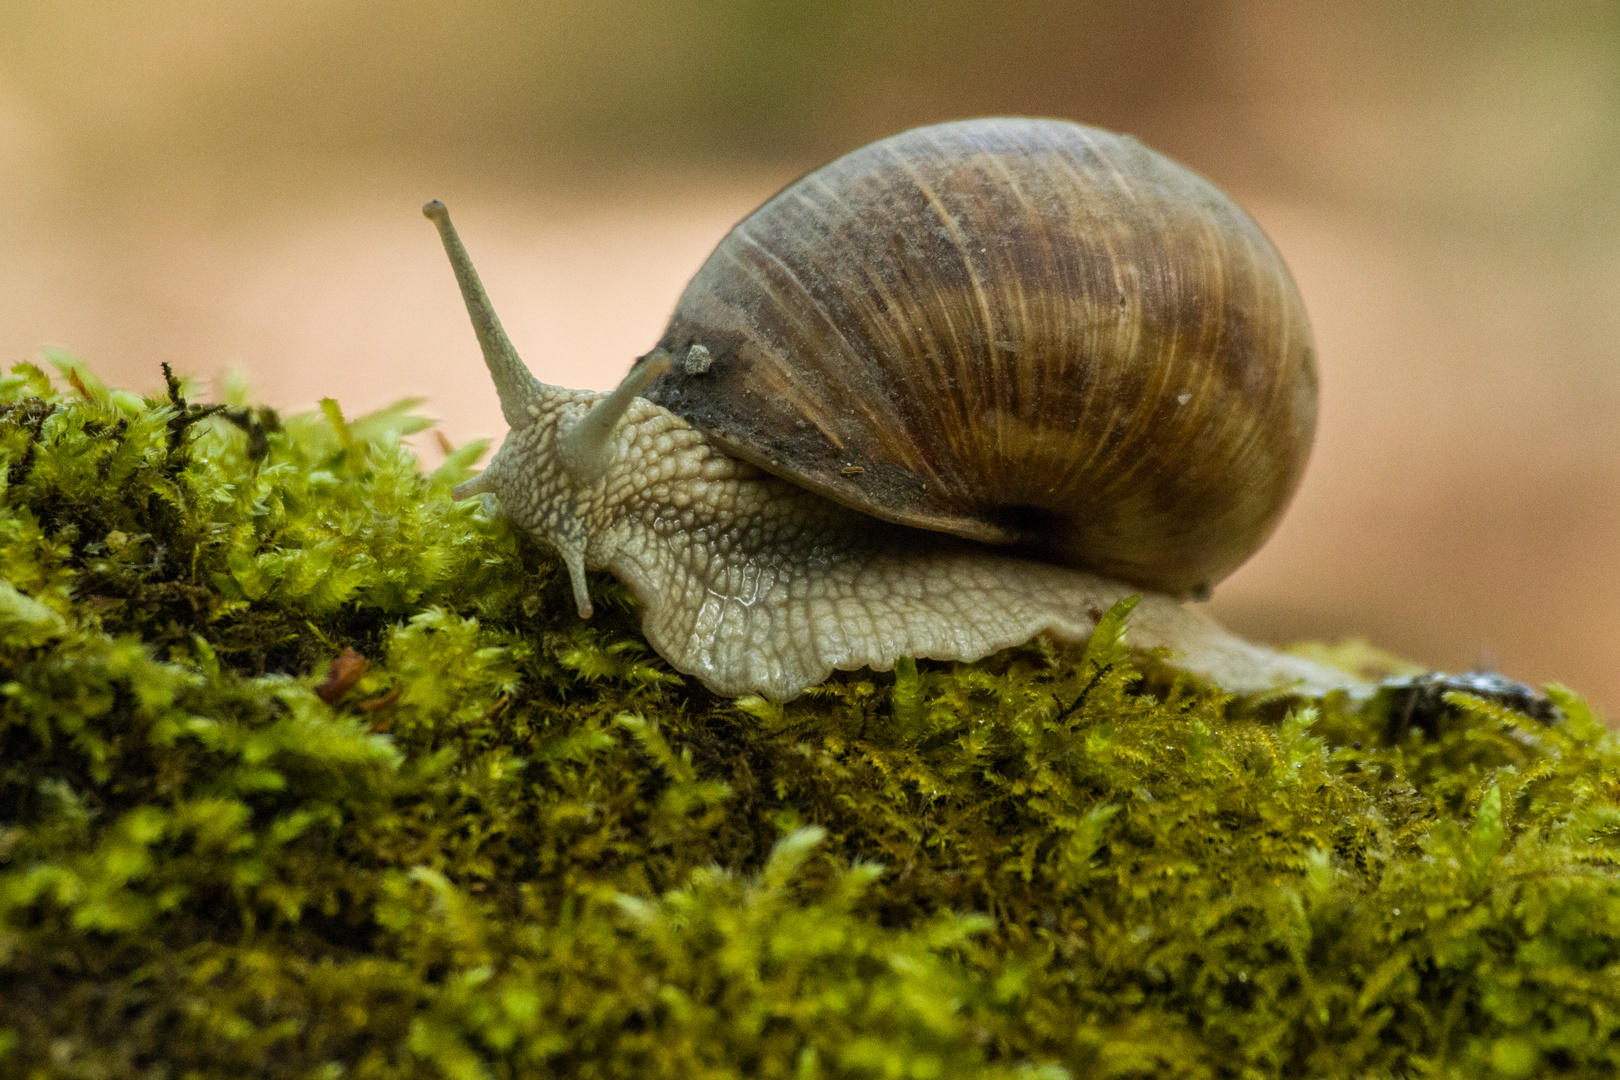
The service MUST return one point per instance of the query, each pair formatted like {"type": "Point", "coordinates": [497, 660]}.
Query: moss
{"type": "Point", "coordinates": [306, 770]}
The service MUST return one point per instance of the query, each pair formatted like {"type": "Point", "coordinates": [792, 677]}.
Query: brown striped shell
{"type": "Point", "coordinates": [1025, 332]}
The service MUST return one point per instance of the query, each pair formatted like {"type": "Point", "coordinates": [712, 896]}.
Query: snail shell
{"type": "Point", "coordinates": [1024, 332]}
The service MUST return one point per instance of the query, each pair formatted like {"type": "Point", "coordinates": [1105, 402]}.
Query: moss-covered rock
{"type": "Point", "coordinates": [306, 770]}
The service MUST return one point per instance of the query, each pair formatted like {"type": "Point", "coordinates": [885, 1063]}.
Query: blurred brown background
{"type": "Point", "coordinates": [237, 184]}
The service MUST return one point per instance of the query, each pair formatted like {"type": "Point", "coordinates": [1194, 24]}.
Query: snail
{"type": "Point", "coordinates": [969, 384]}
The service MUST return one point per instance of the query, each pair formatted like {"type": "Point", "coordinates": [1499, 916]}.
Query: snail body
{"type": "Point", "coordinates": [965, 386]}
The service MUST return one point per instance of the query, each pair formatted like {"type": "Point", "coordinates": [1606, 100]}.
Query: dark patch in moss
{"type": "Point", "coordinates": [514, 844]}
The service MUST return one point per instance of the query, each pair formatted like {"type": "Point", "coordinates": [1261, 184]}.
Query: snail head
{"type": "Point", "coordinates": [572, 430]}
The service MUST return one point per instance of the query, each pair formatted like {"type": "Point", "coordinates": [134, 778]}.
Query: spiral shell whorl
{"type": "Point", "coordinates": [1026, 332]}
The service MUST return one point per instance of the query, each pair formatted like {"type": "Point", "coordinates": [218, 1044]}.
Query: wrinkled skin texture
{"type": "Point", "coordinates": [756, 586]}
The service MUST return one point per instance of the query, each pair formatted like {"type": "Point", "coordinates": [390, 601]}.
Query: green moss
{"type": "Point", "coordinates": [514, 844]}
